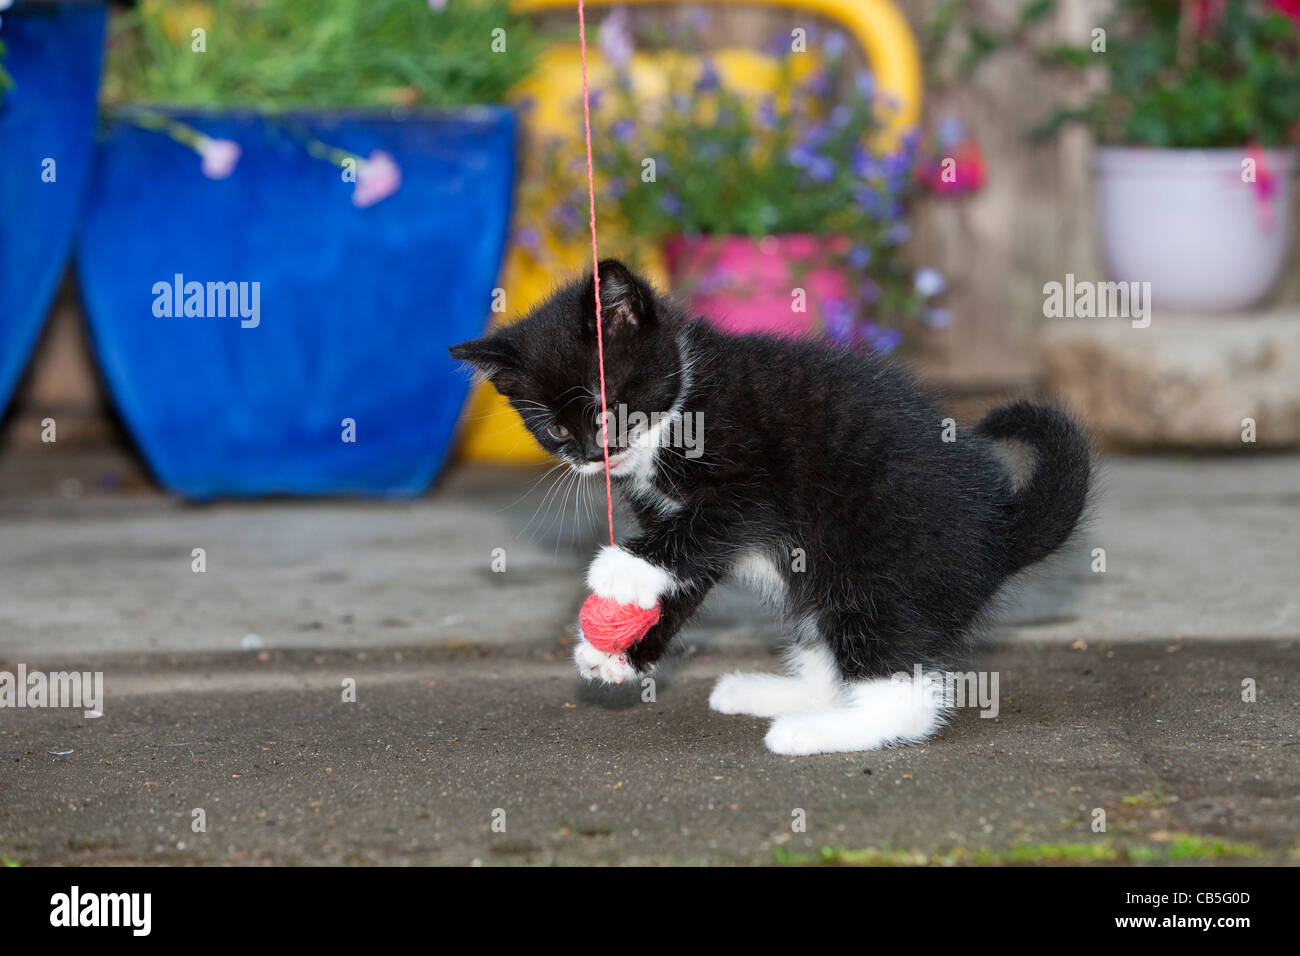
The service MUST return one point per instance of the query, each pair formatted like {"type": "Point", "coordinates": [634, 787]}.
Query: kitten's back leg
{"type": "Point", "coordinates": [876, 712]}
{"type": "Point", "coordinates": [876, 707]}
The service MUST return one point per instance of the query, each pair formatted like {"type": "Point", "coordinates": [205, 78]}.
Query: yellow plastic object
{"type": "Point", "coordinates": [492, 431]}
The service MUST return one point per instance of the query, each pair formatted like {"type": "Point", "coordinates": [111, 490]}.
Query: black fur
{"type": "Point", "coordinates": [808, 448]}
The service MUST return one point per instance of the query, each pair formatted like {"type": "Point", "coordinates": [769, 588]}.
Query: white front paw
{"type": "Point", "coordinates": [594, 664]}
{"type": "Point", "coordinates": [621, 575]}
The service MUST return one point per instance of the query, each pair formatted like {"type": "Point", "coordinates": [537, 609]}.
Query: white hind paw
{"type": "Point", "coordinates": [798, 735]}
{"type": "Point", "coordinates": [848, 729]}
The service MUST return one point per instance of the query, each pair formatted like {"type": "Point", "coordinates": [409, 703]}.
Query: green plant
{"type": "Point", "coordinates": [6, 81]}
{"type": "Point", "coordinates": [810, 157]}
{"type": "Point", "coordinates": [284, 54]}
{"type": "Point", "coordinates": [1179, 73]}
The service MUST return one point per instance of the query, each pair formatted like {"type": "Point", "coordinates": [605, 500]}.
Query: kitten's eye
{"type": "Point", "coordinates": [558, 432]}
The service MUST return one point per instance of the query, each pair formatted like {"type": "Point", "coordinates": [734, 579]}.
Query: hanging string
{"type": "Point", "coordinates": [595, 266]}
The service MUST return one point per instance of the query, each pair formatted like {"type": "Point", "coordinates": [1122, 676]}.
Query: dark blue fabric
{"type": "Point", "coordinates": [358, 306]}
{"type": "Point", "coordinates": [54, 57]}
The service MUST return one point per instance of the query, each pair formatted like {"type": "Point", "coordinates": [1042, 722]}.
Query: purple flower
{"type": "Point", "coordinates": [624, 130]}
{"type": "Point", "coordinates": [567, 216]}
{"type": "Point", "coordinates": [834, 44]}
{"type": "Point", "coordinates": [883, 340]}
{"type": "Point", "coordinates": [819, 84]}
{"type": "Point", "coordinates": [870, 292]}
{"type": "Point", "coordinates": [937, 318]}
{"type": "Point", "coordinates": [928, 283]}
{"type": "Point", "coordinates": [860, 257]}
{"type": "Point", "coordinates": [707, 81]}
{"type": "Point", "coordinates": [899, 233]}
{"type": "Point", "coordinates": [841, 115]}
{"type": "Point", "coordinates": [670, 204]}
{"type": "Point", "coordinates": [377, 178]}
{"type": "Point", "coordinates": [528, 237]}
{"type": "Point", "coordinates": [218, 156]}
{"type": "Point", "coordinates": [838, 317]}
{"type": "Point", "coordinates": [864, 81]}
{"type": "Point", "coordinates": [615, 38]}
{"type": "Point", "coordinates": [898, 169]}
{"type": "Point", "coordinates": [767, 117]}
{"type": "Point", "coordinates": [816, 134]}
{"type": "Point", "coordinates": [821, 169]}
{"type": "Point", "coordinates": [800, 155]}
{"type": "Point", "coordinates": [869, 202]}
{"type": "Point", "coordinates": [779, 46]}
{"type": "Point", "coordinates": [865, 165]}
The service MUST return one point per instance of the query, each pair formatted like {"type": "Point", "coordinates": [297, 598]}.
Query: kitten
{"type": "Point", "coordinates": [823, 477]}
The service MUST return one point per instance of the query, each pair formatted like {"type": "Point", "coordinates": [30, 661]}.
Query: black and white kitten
{"type": "Point", "coordinates": [823, 477]}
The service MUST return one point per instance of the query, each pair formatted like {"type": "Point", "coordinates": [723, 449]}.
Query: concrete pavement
{"type": "Point", "coordinates": [1207, 548]}
{"type": "Point", "coordinates": [1119, 691]}
{"type": "Point", "coordinates": [441, 743]}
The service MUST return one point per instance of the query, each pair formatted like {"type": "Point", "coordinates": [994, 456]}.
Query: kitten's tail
{"type": "Point", "coordinates": [1044, 512]}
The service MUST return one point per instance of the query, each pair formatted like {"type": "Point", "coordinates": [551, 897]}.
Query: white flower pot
{"type": "Point", "coordinates": [1185, 221]}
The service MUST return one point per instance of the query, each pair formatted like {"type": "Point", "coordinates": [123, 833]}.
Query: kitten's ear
{"type": "Point", "coordinates": [626, 303]}
{"type": "Point", "coordinates": [491, 355]}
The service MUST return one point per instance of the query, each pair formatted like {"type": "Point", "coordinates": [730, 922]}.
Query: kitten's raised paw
{"type": "Point", "coordinates": [597, 665]}
{"type": "Point", "coordinates": [627, 579]}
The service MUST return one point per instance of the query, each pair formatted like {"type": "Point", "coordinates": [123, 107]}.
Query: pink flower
{"type": "Point", "coordinates": [219, 157]}
{"type": "Point", "coordinates": [1205, 14]}
{"type": "Point", "coordinates": [377, 178]}
{"type": "Point", "coordinates": [1290, 8]}
{"type": "Point", "coordinates": [1266, 186]}
{"type": "Point", "coordinates": [969, 171]}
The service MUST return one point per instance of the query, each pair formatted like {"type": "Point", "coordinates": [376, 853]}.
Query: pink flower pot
{"type": "Point", "coordinates": [748, 285]}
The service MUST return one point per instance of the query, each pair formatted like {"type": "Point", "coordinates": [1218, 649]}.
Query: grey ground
{"type": "Point", "coordinates": [1120, 691]}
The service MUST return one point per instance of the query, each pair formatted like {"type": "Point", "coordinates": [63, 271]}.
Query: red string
{"type": "Point", "coordinates": [595, 264]}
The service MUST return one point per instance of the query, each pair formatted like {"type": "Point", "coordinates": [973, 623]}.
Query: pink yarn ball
{"type": "Point", "coordinates": [612, 627]}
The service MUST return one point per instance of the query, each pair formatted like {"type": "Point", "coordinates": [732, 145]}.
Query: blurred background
{"type": "Point", "coordinates": [238, 467]}
{"type": "Point", "coordinates": [391, 177]}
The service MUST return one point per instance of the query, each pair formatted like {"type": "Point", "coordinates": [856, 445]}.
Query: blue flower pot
{"type": "Point", "coordinates": [48, 117]}
{"type": "Point", "coordinates": [355, 307]}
